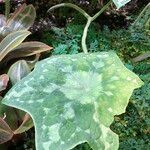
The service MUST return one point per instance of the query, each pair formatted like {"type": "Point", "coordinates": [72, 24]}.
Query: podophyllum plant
{"type": "Point", "coordinates": [13, 31]}
{"type": "Point", "coordinates": [73, 98]}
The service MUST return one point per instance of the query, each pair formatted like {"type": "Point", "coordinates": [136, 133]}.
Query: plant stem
{"type": "Point", "coordinates": [101, 11]}
{"type": "Point", "coordinates": [72, 6]}
{"type": "Point", "coordinates": [87, 16]}
{"type": "Point", "coordinates": [7, 9]}
{"type": "Point", "coordinates": [90, 20]}
{"type": "Point", "coordinates": [84, 46]}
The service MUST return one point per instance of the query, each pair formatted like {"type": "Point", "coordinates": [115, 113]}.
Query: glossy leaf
{"type": "Point", "coordinates": [73, 99]}
{"type": "Point", "coordinates": [120, 3]}
{"type": "Point", "coordinates": [3, 28]}
{"type": "Point", "coordinates": [14, 117]}
{"type": "Point", "coordinates": [28, 49]}
{"type": "Point", "coordinates": [3, 81]}
{"type": "Point", "coordinates": [12, 41]}
{"type": "Point", "coordinates": [26, 124]}
{"type": "Point", "coordinates": [5, 132]}
{"type": "Point", "coordinates": [22, 18]}
{"type": "Point", "coordinates": [2, 21]}
{"type": "Point", "coordinates": [18, 71]}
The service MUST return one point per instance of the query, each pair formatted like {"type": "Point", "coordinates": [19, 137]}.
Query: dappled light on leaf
{"type": "Point", "coordinates": [72, 99]}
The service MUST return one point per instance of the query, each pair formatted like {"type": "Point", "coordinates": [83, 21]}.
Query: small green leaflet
{"type": "Point", "coordinates": [73, 99]}
{"type": "Point", "coordinates": [120, 3]}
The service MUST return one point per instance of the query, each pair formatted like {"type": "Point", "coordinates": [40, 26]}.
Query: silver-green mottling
{"type": "Point", "coordinates": [73, 99]}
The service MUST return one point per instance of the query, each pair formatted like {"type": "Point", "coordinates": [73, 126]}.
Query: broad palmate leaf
{"type": "Point", "coordinates": [73, 99]}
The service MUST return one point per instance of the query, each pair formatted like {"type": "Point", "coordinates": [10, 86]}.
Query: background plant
{"type": "Point", "coordinates": [12, 32]}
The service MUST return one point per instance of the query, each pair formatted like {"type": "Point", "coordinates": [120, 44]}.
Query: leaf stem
{"type": "Point", "coordinates": [87, 16]}
{"type": "Point", "coordinates": [71, 6]}
{"type": "Point", "coordinates": [89, 21]}
{"type": "Point", "coordinates": [84, 46]}
{"type": "Point", "coordinates": [101, 11]}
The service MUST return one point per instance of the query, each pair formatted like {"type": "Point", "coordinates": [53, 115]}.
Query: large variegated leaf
{"type": "Point", "coordinates": [73, 99]}
{"type": "Point", "coordinates": [120, 3]}
{"type": "Point", "coordinates": [11, 41]}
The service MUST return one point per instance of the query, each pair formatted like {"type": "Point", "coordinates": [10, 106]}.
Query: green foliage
{"type": "Point", "coordinates": [63, 41]}
{"type": "Point", "coordinates": [143, 20]}
{"type": "Point", "coordinates": [133, 126]}
{"type": "Point", "coordinates": [65, 98]}
{"type": "Point", "coordinates": [127, 43]}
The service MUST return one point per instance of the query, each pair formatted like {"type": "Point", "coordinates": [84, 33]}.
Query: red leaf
{"type": "Point", "coordinates": [6, 133]}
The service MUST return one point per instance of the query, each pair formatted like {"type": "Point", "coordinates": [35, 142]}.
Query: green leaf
{"type": "Point", "coordinates": [11, 41]}
{"type": "Point", "coordinates": [120, 3]}
{"type": "Point", "coordinates": [72, 99]}
{"type": "Point", "coordinates": [143, 20]}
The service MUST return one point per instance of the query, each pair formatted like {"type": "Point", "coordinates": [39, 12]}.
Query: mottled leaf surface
{"type": "Point", "coordinates": [73, 99]}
